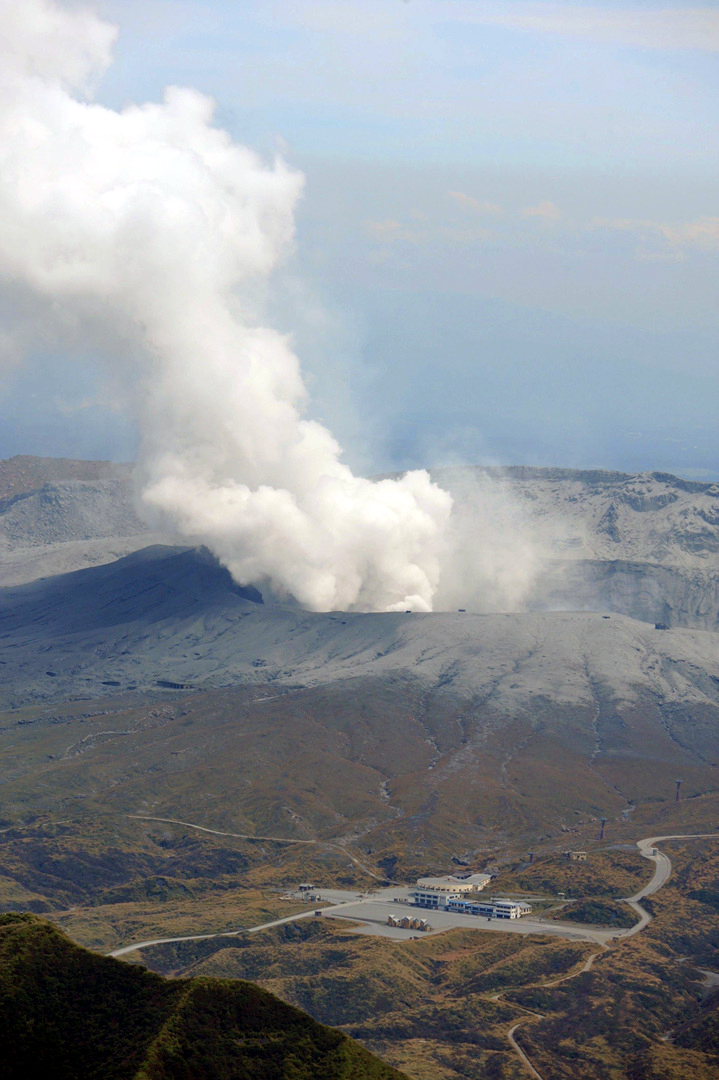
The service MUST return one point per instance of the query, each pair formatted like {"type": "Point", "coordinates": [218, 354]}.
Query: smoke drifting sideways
{"type": "Point", "coordinates": [496, 559]}
{"type": "Point", "coordinates": [150, 231]}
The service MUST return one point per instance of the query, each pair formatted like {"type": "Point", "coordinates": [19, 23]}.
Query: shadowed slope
{"type": "Point", "coordinates": [70, 1014]}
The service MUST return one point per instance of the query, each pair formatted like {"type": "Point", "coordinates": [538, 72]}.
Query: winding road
{"type": "Point", "coordinates": [647, 847]}
{"type": "Point", "coordinates": [273, 839]}
{"type": "Point", "coordinates": [662, 873]}
{"type": "Point", "coordinates": [518, 1049]}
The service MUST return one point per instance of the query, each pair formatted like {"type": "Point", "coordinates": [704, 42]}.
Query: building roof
{"type": "Point", "coordinates": [464, 884]}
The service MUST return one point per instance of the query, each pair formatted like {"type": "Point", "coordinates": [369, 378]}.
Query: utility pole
{"type": "Point", "coordinates": [676, 797]}
{"type": "Point", "coordinates": [601, 831]}
{"type": "Point", "coordinates": [531, 857]}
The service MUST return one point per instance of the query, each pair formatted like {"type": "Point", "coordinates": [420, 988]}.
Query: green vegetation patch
{"type": "Point", "coordinates": [73, 1015]}
{"type": "Point", "coordinates": [67, 1013]}
{"type": "Point", "coordinates": [597, 913]}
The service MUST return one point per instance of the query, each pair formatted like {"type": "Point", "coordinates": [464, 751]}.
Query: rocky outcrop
{"type": "Point", "coordinates": [647, 591]}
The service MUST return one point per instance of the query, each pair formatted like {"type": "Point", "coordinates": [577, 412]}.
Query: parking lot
{"type": "Point", "coordinates": [372, 914]}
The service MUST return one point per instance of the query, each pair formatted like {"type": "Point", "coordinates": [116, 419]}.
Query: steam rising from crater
{"type": "Point", "coordinates": [151, 231]}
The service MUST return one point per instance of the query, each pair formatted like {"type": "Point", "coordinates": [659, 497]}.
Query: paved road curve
{"type": "Point", "coordinates": [662, 873]}
{"type": "Point", "coordinates": [518, 1049]}
{"type": "Point", "coordinates": [227, 933]}
{"type": "Point", "coordinates": [646, 846]}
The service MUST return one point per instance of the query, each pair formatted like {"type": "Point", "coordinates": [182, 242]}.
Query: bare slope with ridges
{"type": "Point", "coordinates": [415, 775]}
{"type": "Point", "coordinates": [59, 515]}
{"type": "Point", "coordinates": [70, 510]}
{"type": "Point", "coordinates": [24, 473]}
{"type": "Point", "coordinates": [174, 614]}
{"type": "Point", "coordinates": [592, 514]}
{"type": "Point", "coordinates": [644, 545]}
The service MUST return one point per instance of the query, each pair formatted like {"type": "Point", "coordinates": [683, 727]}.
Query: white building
{"type": "Point", "coordinates": [437, 892]}
{"type": "Point", "coordinates": [494, 908]}
{"type": "Point", "coordinates": [424, 896]}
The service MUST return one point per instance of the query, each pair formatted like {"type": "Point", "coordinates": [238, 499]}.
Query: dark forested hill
{"type": "Point", "coordinates": [72, 1015]}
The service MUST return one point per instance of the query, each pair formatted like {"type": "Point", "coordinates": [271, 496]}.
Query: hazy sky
{"type": "Point", "coordinates": [508, 246]}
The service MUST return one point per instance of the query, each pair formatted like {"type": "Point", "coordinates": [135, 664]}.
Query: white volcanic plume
{"type": "Point", "coordinates": [152, 224]}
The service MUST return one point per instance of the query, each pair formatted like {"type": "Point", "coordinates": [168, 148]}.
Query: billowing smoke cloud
{"type": "Point", "coordinates": [154, 225]}
{"type": "Point", "coordinates": [495, 556]}
{"type": "Point", "coordinates": [146, 236]}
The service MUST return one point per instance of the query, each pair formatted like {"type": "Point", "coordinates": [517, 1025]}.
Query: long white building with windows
{"type": "Point", "coordinates": [493, 908]}
{"type": "Point", "coordinates": [459, 894]}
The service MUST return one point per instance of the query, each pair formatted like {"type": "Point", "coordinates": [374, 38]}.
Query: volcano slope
{"type": "Point", "coordinates": [644, 545]}
{"type": "Point", "coordinates": [59, 515]}
{"type": "Point", "coordinates": [427, 735]}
